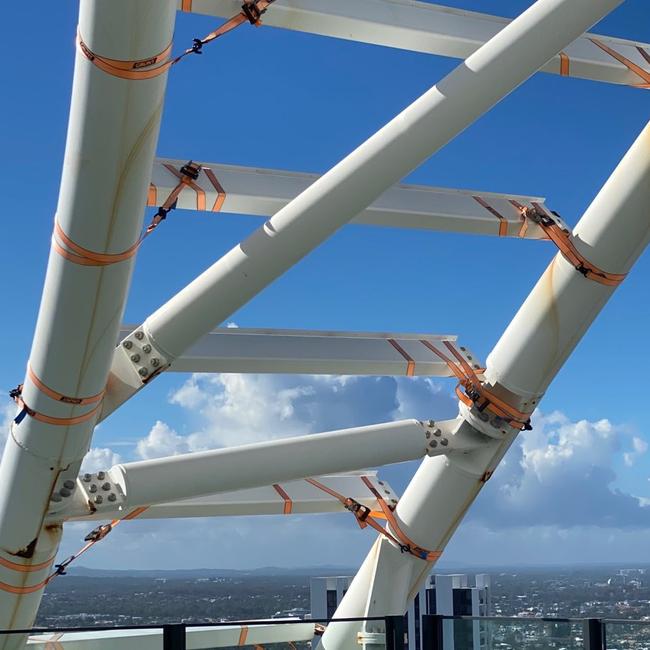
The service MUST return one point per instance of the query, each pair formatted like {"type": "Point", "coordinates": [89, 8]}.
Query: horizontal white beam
{"type": "Point", "coordinates": [434, 29]}
{"type": "Point", "coordinates": [197, 637]}
{"type": "Point", "coordinates": [290, 497]}
{"type": "Point", "coordinates": [313, 352]}
{"type": "Point", "coordinates": [263, 192]}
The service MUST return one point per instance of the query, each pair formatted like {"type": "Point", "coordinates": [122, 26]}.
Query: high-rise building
{"type": "Point", "coordinates": [454, 594]}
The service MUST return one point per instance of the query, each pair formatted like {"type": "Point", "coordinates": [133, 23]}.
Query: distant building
{"type": "Point", "coordinates": [441, 594]}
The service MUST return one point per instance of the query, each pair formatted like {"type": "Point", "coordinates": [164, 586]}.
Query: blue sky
{"type": "Point", "coordinates": [310, 102]}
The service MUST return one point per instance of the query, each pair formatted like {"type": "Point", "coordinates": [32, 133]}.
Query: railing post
{"type": "Point", "coordinates": [432, 638]}
{"type": "Point", "coordinates": [174, 637]}
{"type": "Point", "coordinates": [394, 633]}
{"type": "Point", "coordinates": [593, 634]}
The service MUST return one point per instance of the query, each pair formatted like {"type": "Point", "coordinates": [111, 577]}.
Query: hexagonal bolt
{"type": "Point", "coordinates": [56, 497]}
{"type": "Point", "coordinates": [112, 497]}
{"type": "Point", "coordinates": [433, 443]}
{"type": "Point", "coordinates": [87, 477]}
{"type": "Point", "coordinates": [69, 484]}
{"type": "Point", "coordinates": [146, 348]}
{"type": "Point", "coordinates": [437, 433]}
{"type": "Point", "coordinates": [143, 372]}
{"type": "Point", "coordinates": [444, 442]}
{"type": "Point", "coordinates": [127, 345]}
{"type": "Point", "coordinates": [92, 489]}
{"type": "Point", "coordinates": [101, 475]}
{"type": "Point", "coordinates": [99, 499]}
{"type": "Point", "coordinates": [431, 423]}
{"type": "Point", "coordinates": [139, 335]}
{"type": "Point", "coordinates": [135, 358]}
{"type": "Point", "coordinates": [155, 362]}
{"type": "Point", "coordinates": [106, 487]}
{"type": "Point", "coordinates": [64, 492]}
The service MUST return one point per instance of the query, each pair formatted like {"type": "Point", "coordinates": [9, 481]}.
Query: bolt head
{"type": "Point", "coordinates": [155, 362]}
{"type": "Point", "coordinates": [444, 442]}
{"type": "Point", "coordinates": [69, 484]}
{"type": "Point", "coordinates": [87, 478]}
{"type": "Point", "coordinates": [135, 358]}
{"type": "Point", "coordinates": [56, 497]}
{"type": "Point", "coordinates": [101, 475]}
{"type": "Point", "coordinates": [431, 423]}
{"type": "Point", "coordinates": [99, 498]}
{"type": "Point", "coordinates": [437, 433]}
{"type": "Point", "coordinates": [112, 497]}
{"type": "Point", "coordinates": [106, 487]}
{"type": "Point", "coordinates": [433, 443]}
{"type": "Point", "coordinates": [127, 345]}
{"type": "Point", "coordinates": [64, 492]}
{"type": "Point", "coordinates": [139, 335]}
{"type": "Point", "coordinates": [143, 372]}
{"type": "Point", "coordinates": [92, 489]}
{"type": "Point", "coordinates": [146, 348]}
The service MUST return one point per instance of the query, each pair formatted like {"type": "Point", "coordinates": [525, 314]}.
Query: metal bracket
{"type": "Point", "coordinates": [142, 355]}
{"type": "Point", "coordinates": [100, 492]}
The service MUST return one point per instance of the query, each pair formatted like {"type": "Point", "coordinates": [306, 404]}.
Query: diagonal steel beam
{"type": "Point", "coordinates": [612, 234]}
{"type": "Point", "coordinates": [263, 192]}
{"type": "Point", "coordinates": [437, 29]}
{"type": "Point", "coordinates": [335, 198]}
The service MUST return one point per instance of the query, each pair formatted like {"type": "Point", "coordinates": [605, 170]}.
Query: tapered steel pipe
{"type": "Point", "coordinates": [256, 465]}
{"type": "Point", "coordinates": [334, 199]}
{"type": "Point", "coordinates": [612, 234]}
{"type": "Point", "coordinates": [112, 136]}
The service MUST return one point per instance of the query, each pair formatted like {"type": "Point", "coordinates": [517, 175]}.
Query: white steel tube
{"type": "Point", "coordinates": [112, 136]}
{"type": "Point", "coordinates": [564, 303]}
{"type": "Point", "coordinates": [248, 466]}
{"type": "Point", "coordinates": [612, 234]}
{"type": "Point", "coordinates": [493, 71]}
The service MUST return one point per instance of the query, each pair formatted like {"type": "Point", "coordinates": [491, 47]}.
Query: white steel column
{"type": "Point", "coordinates": [612, 234]}
{"type": "Point", "coordinates": [507, 60]}
{"type": "Point", "coordinates": [112, 136]}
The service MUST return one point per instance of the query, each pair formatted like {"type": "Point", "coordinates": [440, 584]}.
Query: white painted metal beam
{"type": "Point", "coordinates": [285, 498]}
{"type": "Point", "coordinates": [435, 29]}
{"type": "Point", "coordinates": [314, 353]}
{"type": "Point", "coordinates": [197, 638]}
{"type": "Point", "coordinates": [186, 476]}
{"type": "Point", "coordinates": [476, 85]}
{"type": "Point", "coordinates": [263, 192]}
{"type": "Point", "coordinates": [612, 234]}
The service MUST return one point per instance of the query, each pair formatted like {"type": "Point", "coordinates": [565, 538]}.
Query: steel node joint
{"type": "Point", "coordinates": [140, 352]}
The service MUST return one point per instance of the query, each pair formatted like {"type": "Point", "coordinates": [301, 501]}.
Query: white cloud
{"type": "Point", "coordinates": [639, 447]}
{"type": "Point", "coordinates": [7, 414]}
{"type": "Point", "coordinates": [162, 441]}
{"type": "Point", "coordinates": [562, 473]}
{"type": "Point", "coordinates": [99, 458]}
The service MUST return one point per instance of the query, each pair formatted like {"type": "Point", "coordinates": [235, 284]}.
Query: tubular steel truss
{"type": "Point", "coordinates": [77, 375]}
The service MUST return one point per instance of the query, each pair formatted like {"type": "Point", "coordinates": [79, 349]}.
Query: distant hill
{"type": "Point", "coordinates": [81, 571]}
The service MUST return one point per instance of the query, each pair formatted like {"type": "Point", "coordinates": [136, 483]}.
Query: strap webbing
{"type": "Point", "coordinates": [156, 65]}
{"type": "Point", "coordinates": [365, 517]}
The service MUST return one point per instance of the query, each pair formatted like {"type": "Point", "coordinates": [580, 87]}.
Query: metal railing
{"type": "Point", "coordinates": [434, 630]}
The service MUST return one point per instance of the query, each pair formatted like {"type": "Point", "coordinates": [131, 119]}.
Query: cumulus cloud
{"type": "Point", "coordinates": [234, 409]}
{"type": "Point", "coordinates": [562, 473]}
{"type": "Point", "coordinates": [99, 458]}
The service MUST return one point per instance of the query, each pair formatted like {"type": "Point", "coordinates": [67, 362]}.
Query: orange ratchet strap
{"type": "Point", "coordinates": [630, 65]}
{"type": "Point", "coordinates": [473, 393]}
{"type": "Point", "coordinates": [16, 395]}
{"type": "Point", "coordinates": [156, 65]}
{"type": "Point", "coordinates": [77, 254]}
{"type": "Point", "coordinates": [288, 503]}
{"type": "Point", "coordinates": [365, 517]}
{"type": "Point", "coordinates": [60, 569]}
{"type": "Point", "coordinates": [94, 536]}
{"type": "Point", "coordinates": [563, 239]}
